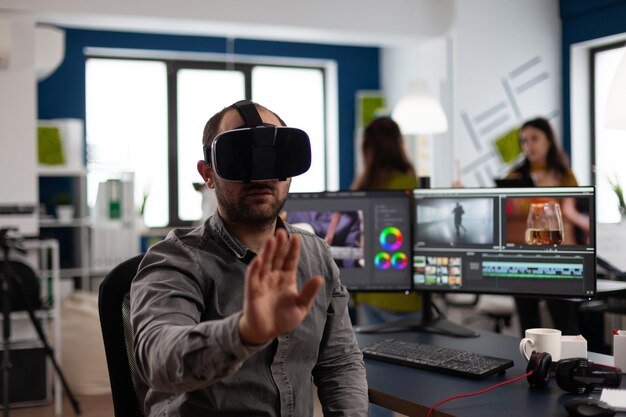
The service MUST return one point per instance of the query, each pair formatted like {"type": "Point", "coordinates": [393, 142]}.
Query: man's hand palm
{"type": "Point", "coordinates": [276, 310]}
{"type": "Point", "coordinates": [272, 304]}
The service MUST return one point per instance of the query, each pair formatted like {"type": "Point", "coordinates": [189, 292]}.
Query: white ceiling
{"type": "Point", "coordinates": [361, 22]}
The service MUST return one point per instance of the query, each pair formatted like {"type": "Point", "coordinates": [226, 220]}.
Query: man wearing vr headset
{"type": "Point", "coordinates": [241, 315]}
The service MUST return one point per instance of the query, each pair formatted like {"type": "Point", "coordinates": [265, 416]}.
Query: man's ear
{"type": "Point", "coordinates": [206, 172]}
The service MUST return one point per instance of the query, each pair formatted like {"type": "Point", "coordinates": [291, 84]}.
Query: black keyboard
{"type": "Point", "coordinates": [436, 358]}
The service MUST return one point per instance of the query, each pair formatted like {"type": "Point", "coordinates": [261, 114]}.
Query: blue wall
{"type": "Point", "coordinates": [583, 20]}
{"type": "Point", "coordinates": [63, 93]}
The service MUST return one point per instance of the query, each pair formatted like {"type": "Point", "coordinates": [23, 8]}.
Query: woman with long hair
{"type": "Point", "coordinates": [544, 161]}
{"type": "Point", "coordinates": [548, 166]}
{"type": "Point", "coordinates": [386, 166]}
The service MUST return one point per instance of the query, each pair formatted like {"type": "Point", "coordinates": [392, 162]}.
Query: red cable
{"type": "Point", "coordinates": [431, 409]}
{"type": "Point", "coordinates": [615, 368]}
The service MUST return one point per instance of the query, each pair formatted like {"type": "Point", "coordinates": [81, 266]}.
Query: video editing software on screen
{"type": "Point", "coordinates": [369, 234]}
{"type": "Point", "coordinates": [505, 240]}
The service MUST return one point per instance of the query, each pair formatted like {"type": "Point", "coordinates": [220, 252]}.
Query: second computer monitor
{"type": "Point", "coordinates": [368, 232]}
{"type": "Point", "coordinates": [516, 241]}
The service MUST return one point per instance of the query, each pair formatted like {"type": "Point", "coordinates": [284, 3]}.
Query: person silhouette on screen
{"type": "Point", "coordinates": [458, 218]}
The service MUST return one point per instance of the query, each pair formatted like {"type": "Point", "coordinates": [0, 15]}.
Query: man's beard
{"type": "Point", "coordinates": [245, 213]}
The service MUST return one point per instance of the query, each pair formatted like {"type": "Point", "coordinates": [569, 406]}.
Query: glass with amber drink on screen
{"type": "Point", "coordinates": [545, 224]}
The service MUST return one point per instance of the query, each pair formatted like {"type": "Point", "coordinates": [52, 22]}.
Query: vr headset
{"type": "Point", "coordinates": [258, 151]}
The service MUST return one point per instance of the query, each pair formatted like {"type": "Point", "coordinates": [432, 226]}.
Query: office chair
{"type": "Point", "coordinates": [127, 388]}
{"type": "Point", "coordinates": [497, 308]}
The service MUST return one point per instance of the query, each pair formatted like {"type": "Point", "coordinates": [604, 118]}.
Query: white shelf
{"type": "Point", "coordinates": [75, 230]}
{"type": "Point", "coordinates": [72, 272]}
{"type": "Point", "coordinates": [23, 315]}
{"type": "Point", "coordinates": [59, 223]}
{"type": "Point", "coordinates": [100, 271]}
{"type": "Point", "coordinates": [61, 171]}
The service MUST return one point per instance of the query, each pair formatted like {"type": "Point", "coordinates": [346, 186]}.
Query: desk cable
{"type": "Point", "coordinates": [432, 409]}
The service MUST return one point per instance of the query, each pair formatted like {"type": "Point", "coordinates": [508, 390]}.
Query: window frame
{"type": "Point", "coordinates": [592, 102]}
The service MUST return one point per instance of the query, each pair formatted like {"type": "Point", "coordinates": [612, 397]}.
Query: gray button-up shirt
{"type": "Point", "coordinates": [185, 304]}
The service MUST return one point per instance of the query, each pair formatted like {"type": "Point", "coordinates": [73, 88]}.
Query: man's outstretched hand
{"type": "Point", "coordinates": [272, 304]}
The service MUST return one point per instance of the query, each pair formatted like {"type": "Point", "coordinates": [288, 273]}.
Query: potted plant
{"type": "Point", "coordinates": [619, 192]}
{"type": "Point", "coordinates": [64, 207]}
{"type": "Point", "coordinates": [141, 211]}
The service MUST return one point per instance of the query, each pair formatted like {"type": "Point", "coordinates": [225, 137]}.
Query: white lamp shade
{"type": "Point", "coordinates": [49, 50]}
{"type": "Point", "coordinates": [615, 111]}
{"type": "Point", "coordinates": [418, 112]}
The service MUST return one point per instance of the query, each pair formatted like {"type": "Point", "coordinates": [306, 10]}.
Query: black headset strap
{"type": "Point", "coordinates": [249, 113]}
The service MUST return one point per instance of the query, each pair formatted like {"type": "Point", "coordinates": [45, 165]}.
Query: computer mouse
{"type": "Point", "coordinates": [588, 407]}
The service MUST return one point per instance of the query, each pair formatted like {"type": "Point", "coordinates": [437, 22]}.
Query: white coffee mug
{"type": "Point", "coordinates": [541, 340]}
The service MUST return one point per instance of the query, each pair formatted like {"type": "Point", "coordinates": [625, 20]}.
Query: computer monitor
{"type": "Point", "coordinates": [514, 182]}
{"type": "Point", "coordinates": [499, 241]}
{"type": "Point", "coordinates": [369, 234]}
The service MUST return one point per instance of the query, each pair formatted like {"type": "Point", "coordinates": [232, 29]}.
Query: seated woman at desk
{"type": "Point", "coordinates": [386, 167]}
{"type": "Point", "coordinates": [546, 164]}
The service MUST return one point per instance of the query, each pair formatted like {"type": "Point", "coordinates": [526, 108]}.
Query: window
{"type": "Point", "coordinates": [146, 117]}
{"type": "Point", "coordinates": [200, 94]}
{"type": "Point", "coordinates": [126, 104]}
{"type": "Point", "coordinates": [307, 115]}
{"type": "Point", "coordinates": [608, 145]}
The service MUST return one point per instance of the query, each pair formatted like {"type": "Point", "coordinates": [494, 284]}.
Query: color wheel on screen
{"type": "Point", "coordinates": [382, 260]}
{"type": "Point", "coordinates": [390, 238]}
{"type": "Point", "coordinates": [399, 260]}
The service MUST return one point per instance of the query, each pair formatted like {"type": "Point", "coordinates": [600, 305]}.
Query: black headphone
{"type": "Point", "coordinates": [576, 375]}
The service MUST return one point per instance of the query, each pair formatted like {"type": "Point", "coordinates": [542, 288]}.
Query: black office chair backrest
{"type": "Point", "coordinates": [127, 388]}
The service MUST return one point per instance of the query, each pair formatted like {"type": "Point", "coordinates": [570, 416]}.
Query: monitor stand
{"type": "Point", "coordinates": [428, 323]}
